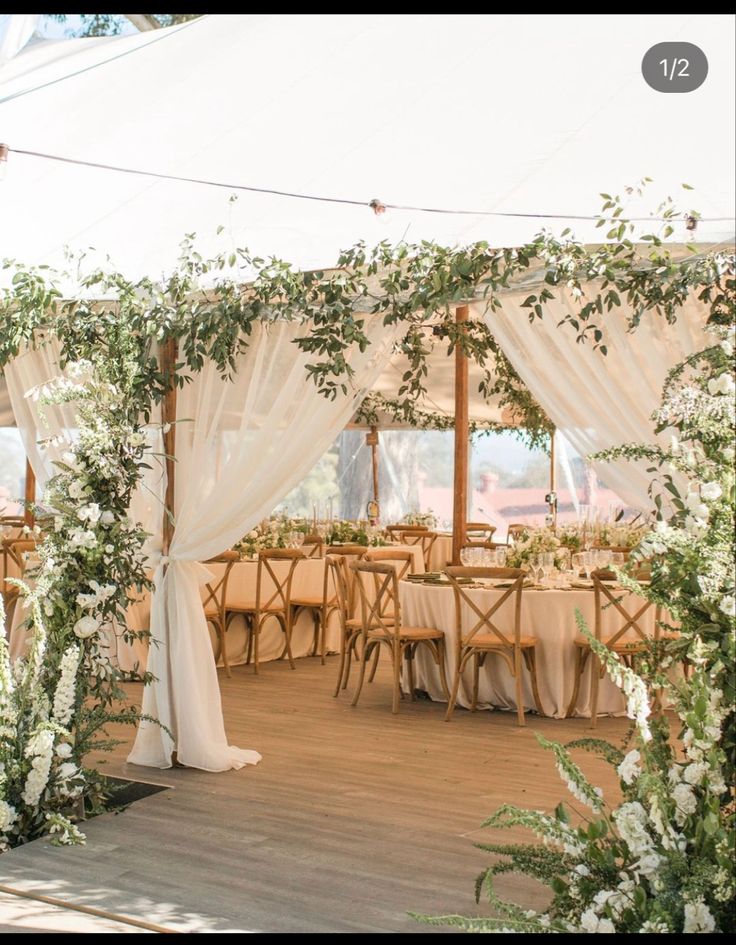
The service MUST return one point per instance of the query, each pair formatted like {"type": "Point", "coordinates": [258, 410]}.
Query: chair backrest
{"type": "Point", "coordinates": [350, 553]}
{"type": "Point", "coordinates": [395, 530]}
{"type": "Point", "coordinates": [279, 593]}
{"type": "Point", "coordinates": [425, 539]}
{"type": "Point", "coordinates": [381, 611]}
{"type": "Point", "coordinates": [18, 550]}
{"type": "Point", "coordinates": [482, 617]}
{"type": "Point", "coordinates": [313, 546]}
{"type": "Point", "coordinates": [516, 529]}
{"type": "Point", "coordinates": [403, 560]}
{"type": "Point", "coordinates": [346, 551]}
{"type": "Point", "coordinates": [480, 528]}
{"type": "Point", "coordinates": [625, 551]}
{"type": "Point", "coordinates": [214, 594]}
{"type": "Point", "coordinates": [336, 571]}
{"type": "Point", "coordinates": [607, 597]}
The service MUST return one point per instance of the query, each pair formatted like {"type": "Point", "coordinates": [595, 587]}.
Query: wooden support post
{"type": "Point", "coordinates": [552, 478]}
{"type": "Point", "coordinates": [373, 508]}
{"type": "Point", "coordinates": [462, 442]}
{"type": "Point", "coordinates": [168, 419]}
{"type": "Point", "coordinates": [30, 494]}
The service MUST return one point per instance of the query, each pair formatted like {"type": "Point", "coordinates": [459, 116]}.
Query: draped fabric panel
{"type": "Point", "coordinates": [241, 445]}
{"type": "Point", "coordinates": [598, 401]}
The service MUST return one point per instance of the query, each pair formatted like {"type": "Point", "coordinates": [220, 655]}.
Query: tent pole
{"type": "Point", "coordinates": [30, 494]}
{"type": "Point", "coordinates": [462, 440]}
{"type": "Point", "coordinates": [373, 508]}
{"type": "Point", "coordinates": [168, 419]}
{"type": "Point", "coordinates": [374, 461]}
{"type": "Point", "coordinates": [552, 478]}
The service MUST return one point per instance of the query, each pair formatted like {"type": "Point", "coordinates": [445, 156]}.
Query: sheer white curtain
{"type": "Point", "coordinates": [241, 445]}
{"type": "Point", "coordinates": [598, 401]}
{"type": "Point", "coordinates": [39, 424]}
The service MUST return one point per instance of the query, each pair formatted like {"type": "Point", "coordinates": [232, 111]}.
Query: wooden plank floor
{"type": "Point", "coordinates": [353, 818]}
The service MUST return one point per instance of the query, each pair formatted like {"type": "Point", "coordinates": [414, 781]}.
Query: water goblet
{"type": "Point", "coordinates": [500, 557]}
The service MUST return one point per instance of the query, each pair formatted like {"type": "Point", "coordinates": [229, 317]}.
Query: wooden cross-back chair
{"type": "Point", "coordinates": [626, 649]}
{"type": "Point", "coordinates": [381, 626]}
{"type": "Point", "coordinates": [273, 599]}
{"type": "Point", "coordinates": [214, 598]}
{"type": "Point", "coordinates": [323, 607]}
{"type": "Point", "coordinates": [425, 539]}
{"type": "Point", "coordinates": [486, 637]}
{"type": "Point", "coordinates": [514, 530]}
{"type": "Point", "coordinates": [479, 532]}
{"type": "Point", "coordinates": [350, 627]}
{"type": "Point", "coordinates": [394, 531]}
{"type": "Point", "coordinates": [313, 546]}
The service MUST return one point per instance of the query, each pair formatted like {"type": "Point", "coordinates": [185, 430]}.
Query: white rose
{"type": "Point", "coordinates": [67, 770]}
{"type": "Point", "coordinates": [86, 626]}
{"type": "Point", "coordinates": [109, 549]}
{"type": "Point", "coordinates": [711, 491]}
{"type": "Point", "coordinates": [729, 454]}
{"type": "Point", "coordinates": [728, 605]}
{"type": "Point", "coordinates": [685, 799]}
{"type": "Point", "coordinates": [107, 518]}
{"type": "Point", "coordinates": [64, 750]}
{"type": "Point", "coordinates": [723, 384]}
{"type": "Point", "coordinates": [76, 490]}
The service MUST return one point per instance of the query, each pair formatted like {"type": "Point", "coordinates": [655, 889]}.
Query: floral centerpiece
{"type": "Point", "coordinates": [538, 541]}
{"type": "Point", "coordinates": [571, 537]}
{"type": "Point", "coordinates": [274, 532]}
{"type": "Point", "coordinates": [428, 519]}
{"type": "Point", "coordinates": [345, 532]}
{"type": "Point", "coordinates": [620, 536]}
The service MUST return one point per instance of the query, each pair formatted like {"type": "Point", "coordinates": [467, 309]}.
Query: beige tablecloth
{"type": "Point", "coordinates": [548, 615]}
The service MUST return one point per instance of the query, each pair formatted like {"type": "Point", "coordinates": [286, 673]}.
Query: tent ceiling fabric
{"type": "Point", "coordinates": [474, 112]}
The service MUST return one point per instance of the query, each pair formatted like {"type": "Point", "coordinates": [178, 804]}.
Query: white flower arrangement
{"type": "Point", "coordinates": [428, 519]}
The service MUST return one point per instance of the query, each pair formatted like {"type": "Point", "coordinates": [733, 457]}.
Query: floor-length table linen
{"type": "Point", "coordinates": [548, 615]}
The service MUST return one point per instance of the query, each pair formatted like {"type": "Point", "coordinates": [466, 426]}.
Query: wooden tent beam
{"type": "Point", "coordinates": [462, 442]}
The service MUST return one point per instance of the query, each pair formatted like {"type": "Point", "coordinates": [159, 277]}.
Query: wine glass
{"type": "Point", "coordinates": [617, 559]}
{"type": "Point", "coordinates": [536, 565]}
{"type": "Point", "coordinates": [500, 557]}
{"type": "Point", "coordinates": [466, 557]}
{"type": "Point", "coordinates": [578, 563]}
{"type": "Point", "coordinates": [548, 564]}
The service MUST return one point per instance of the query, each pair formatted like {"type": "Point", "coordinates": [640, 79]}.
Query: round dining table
{"type": "Point", "coordinates": [548, 615]}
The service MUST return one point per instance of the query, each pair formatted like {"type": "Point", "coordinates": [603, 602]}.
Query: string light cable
{"type": "Point", "coordinates": [379, 207]}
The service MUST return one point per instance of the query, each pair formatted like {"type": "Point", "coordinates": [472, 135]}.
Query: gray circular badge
{"type": "Point", "coordinates": [674, 67]}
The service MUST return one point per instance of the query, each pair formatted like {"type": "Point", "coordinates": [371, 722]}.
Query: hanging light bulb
{"type": "Point", "coordinates": [4, 150]}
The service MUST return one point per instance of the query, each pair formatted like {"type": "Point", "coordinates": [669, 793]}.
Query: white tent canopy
{"type": "Point", "coordinates": [454, 111]}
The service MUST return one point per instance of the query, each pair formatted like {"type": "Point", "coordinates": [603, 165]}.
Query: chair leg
{"type": "Point", "coordinates": [376, 658]}
{"type": "Point", "coordinates": [352, 652]}
{"type": "Point", "coordinates": [410, 653]}
{"type": "Point", "coordinates": [340, 672]}
{"type": "Point", "coordinates": [519, 687]}
{"type": "Point", "coordinates": [441, 662]}
{"type": "Point", "coordinates": [595, 670]}
{"type": "Point", "coordinates": [397, 655]}
{"type": "Point", "coordinates": [363, 660]}
{"type": "Point", "coordinates": [285, 621]}
{"type": "Point", "coordinates": [220, 626]}
{"type": "Point", "coordinates": [476, 676]}
{"type": "Point", "coordinates": [531, 663]}
{"type": "Point", "coordinates": [455, 688]}
{"type": "Point", "coordinates": [581, 658]}
{"type": "Point", "coordinates": [256, 628]}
